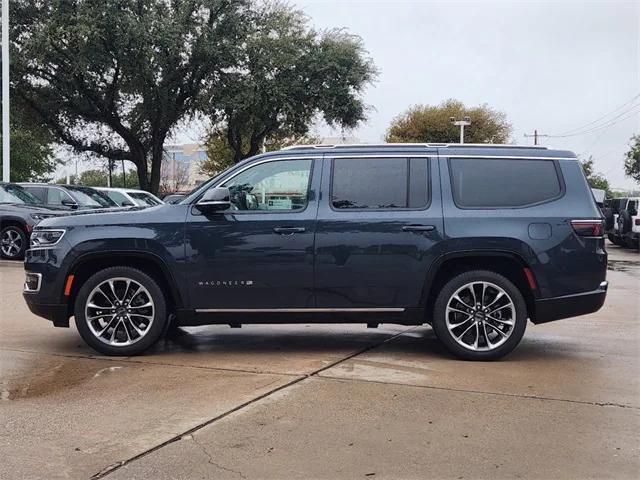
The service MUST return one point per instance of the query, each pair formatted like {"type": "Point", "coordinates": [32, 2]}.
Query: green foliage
{"type": "Point", "coordinates": [287, 76]}
{"type": "Point", "coordinates": [114, 77]}
{"type": "Point", "coordinates": [428, 123]}
{"type": "Point", "coordinates": [221, 156]}
{"type": "Point", "coordinates": [632, 161]}
{"type": "Point", "coordinates": [594, 179]}
{"type": "Point", "coordinates": [99, 178]}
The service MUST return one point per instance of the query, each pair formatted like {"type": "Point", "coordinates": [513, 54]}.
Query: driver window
{"type": "Point", "coordinates": [56, 196]}
{"type": "Point", "coordinates": [272, 186]}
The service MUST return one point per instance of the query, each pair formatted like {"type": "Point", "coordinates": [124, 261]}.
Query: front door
{"type": "Point", "coordinates": [379, 222]}
{"type": "Point", "coordinates": [259, 254]}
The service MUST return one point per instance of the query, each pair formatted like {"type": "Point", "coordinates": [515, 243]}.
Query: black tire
{"type": "Point", "coordinates": [608, 217]}
{"type": "Point", "coordinates": [616, 240]}
{"type": "Point", "coordinates": [157, 325]}
{"type": "Point", "coordinates": [447, 337]}
{"type": "Point", "coordinates": [13, 242]}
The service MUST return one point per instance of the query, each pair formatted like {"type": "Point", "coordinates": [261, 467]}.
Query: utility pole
{"type": "Point", "coordinates": [535, 136]}
{"type": "Point", "coordinates": [461, 123]}
{"type": "Point", "coordinates": [6, 150]}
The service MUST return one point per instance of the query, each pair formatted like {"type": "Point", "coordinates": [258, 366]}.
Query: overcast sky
{"type": "Point", "coordinates": [554, 66]}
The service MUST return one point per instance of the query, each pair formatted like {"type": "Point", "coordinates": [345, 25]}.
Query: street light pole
{"type": "Point", "coordinates": [6, 161]}
{"type": "Point", "coordinates": [461, 123]}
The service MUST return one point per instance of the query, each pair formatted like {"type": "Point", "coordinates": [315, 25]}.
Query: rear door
{"type": "Point", "coordinates": [378, 222]}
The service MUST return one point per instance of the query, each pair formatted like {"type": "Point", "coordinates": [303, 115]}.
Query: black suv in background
{"type": "Point", "coordinates": [472, 239]}
{"type": "Point", "coordinates": [19, 213]}
{"type": "Point", "coordinates": [71, 197]}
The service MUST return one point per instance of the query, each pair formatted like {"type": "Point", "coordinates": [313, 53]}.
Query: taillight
{"type": "Point", "coordinates": [588, 228]}
{"type": "Point", "coordinates": [637, 222]}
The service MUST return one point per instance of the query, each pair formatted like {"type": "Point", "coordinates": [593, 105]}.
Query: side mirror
{"type": "Point", "coordinates": [214, 200]}
{"type": "Point", "coordinates": [127, 203]}
{"type": "Point", "coordinates": [69, 203]}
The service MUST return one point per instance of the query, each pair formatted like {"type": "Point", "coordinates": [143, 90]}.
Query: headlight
{"type": "Point", "coordinates": [41, 216]}
{"type": "Point", "coordinates": [46, 238]}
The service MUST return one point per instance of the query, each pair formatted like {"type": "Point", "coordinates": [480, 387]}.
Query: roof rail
{"type": "Point", "coordinates": [430, 145]}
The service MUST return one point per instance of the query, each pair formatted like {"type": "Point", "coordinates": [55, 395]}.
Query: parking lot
{"type": "Point", "coordinates": [313, 401]}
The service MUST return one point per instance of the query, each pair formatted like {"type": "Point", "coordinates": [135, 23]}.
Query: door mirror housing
{"type": "Point", "coordinates": [69, 203]}
{"type": "Point", "coordinates": [127, 203]}
{"type": "Point", "coordinates": [214, 200]}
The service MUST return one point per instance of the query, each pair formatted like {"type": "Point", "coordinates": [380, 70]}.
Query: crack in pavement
{"type": "Point", "coordinates": [116, 466]}
{"type": "Point", "coordinates": [210, 457]}
{"type": "Point", "coordinates": [481, 392]}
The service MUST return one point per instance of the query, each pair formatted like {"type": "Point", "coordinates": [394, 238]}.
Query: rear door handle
{"type": "Point", "coordinates": [288, 230]}
{"type": "Point", "coordinates": [418, 228]}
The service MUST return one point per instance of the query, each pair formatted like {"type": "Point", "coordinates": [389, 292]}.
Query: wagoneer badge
{"type": "Point", "coordinates": [226, 283]}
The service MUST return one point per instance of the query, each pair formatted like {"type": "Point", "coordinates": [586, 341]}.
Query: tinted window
{"type": "Point", "coordinates": [89, 197]}
{"type": "Point", "coordinates": [143, 199]}
{"type": "Point", "coordinates": [15, 194]}
{"type": "Point", "coordinates": [279, 185]}
{"type": "Point", "coordinates": [37, 192]}
{"type": "Point", "coordinates": [117, 197]}
{"type": "Point", "coordinates": [55, 196]}
{"type": "Point", "coordinates": [503, 182]}
{"type": "Point", "coordinates": [380, 183]}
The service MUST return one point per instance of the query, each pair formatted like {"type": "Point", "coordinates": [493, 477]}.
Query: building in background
{"type": "Point", "coordinates": [181, 167]}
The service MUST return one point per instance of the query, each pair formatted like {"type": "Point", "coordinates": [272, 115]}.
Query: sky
{"type": "Point", "coordinates": [552, 66]}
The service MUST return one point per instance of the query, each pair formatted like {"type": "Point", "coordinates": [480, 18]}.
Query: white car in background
{"type": "Point", "coordinates": [130, 197]}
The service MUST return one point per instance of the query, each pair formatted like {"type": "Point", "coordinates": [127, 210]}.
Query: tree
{"type": "Point", "coordinates": [594, 179]}
{"type": "Point", "coordinates": [632, 161]}
{"type": "Point", "coordinates": [428, 123]}
{"type": "Point", "coordinates": [287, 76]}
{"type": "Point", "coordinates": [99, 178]}
{"type": "Point", "coordinates": [221, 156]}
{"type": "Point", "coordinates": [115, 77]}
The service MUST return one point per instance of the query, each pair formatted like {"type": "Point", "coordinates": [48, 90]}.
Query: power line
{"type": "Point", "coordinates": [629, 113]}
{"type": "Point", "coordinates": [599, 118]}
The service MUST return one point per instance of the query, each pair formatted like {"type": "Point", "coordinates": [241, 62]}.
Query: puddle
{"type": "Point", "coordinates": [44, 380]}
{"type": "Point", "coordinates": [626, 266]}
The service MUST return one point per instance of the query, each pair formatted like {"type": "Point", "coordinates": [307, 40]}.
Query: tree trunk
{"type": "Point", "coordinates": [157, 153]}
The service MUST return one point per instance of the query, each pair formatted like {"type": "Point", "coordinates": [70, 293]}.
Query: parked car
{"type": "Point", "coordinates": [130, 197]}
{"type": "Point", "coordinates": [174, 198]}
{"type": "Point", "coordinates": [19, 213]}
{"type": "Point", "coordinates": [623, 222]}
{"type": "Point", "coordinates": [71, 197]}
{"type": "Point", "coordinates": [472, 239]}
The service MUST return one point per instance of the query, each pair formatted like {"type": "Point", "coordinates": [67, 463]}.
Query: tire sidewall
{"type": "Point", "coordinates": [439, 320]}
{"type": "Point", "coordinates": [23, 236]}
{"type": "Point", "coordinates": [159, 321]}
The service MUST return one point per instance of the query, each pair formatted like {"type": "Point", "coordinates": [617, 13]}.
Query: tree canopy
{"type": "Point", "coordinates": [287, 75]}
{"type": "Point", "coordinates": [632, 160]}
{"type": "Point", "coordinates": [114, 78]}
{"type": "Point", "coordinates": [595, 179]}
{"type": "Point", "coordinates": [432, 123]}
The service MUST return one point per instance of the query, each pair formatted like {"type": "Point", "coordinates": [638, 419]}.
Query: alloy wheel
{"type": "Point", "coordinates": [11, 243]}
{"type": "Point", "coordinates": [480, 316]}
{"type": "Point", "coordinates": [119, 311]}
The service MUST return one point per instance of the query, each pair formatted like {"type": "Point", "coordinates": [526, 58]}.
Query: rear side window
{"type": "Point", "coordinates": [380, 183]}
{"type": "Point", "coordinates": [496, 183]}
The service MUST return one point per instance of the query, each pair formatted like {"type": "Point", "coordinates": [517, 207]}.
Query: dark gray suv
{"type": "Point", "coordinates": [473, 239]}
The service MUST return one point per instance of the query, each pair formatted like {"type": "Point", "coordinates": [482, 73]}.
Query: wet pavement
{"type": "Point", "coordinates": [314, 401]}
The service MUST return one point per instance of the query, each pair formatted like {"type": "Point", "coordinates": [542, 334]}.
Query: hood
{"type": "Point", "coordinates": [117, 216]}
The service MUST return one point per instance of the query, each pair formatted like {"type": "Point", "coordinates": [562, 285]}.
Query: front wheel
{"type": "Point", "coordinates": [13, 242]}
{"type": "Point", "coordinates": [480, 315]}
{"type": "Point", "coordinates": [120, 311]}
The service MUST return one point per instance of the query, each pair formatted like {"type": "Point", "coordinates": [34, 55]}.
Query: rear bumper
{"type": "Point", "coordinates": [557, 308]}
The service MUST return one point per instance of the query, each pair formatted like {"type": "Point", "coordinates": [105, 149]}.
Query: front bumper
{"type": "Point", "coordinates": [56, 313]}
{"type": "Point", "coordinates": [556, 308]}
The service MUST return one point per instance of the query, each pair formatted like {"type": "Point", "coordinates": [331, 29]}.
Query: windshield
{"type": "Point", "coordinates": [16, 194]}
{"type": "Point", "coordinates": [88, 197]}
{"type": "Point", "coordinates": [143, 199]}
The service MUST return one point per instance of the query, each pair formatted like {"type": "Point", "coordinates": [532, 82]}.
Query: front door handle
{"type": "Point", "coordinates": [288, 230]}
{"type": "Point", "coordinates": [418, 228]}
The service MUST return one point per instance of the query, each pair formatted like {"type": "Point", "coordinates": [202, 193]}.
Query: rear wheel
{"type": "Point", "coordinates": [480, 315]}
{"type": "Point", "coordinates": [13, 242]}
{"type": "Point", "coordinates": [120, 311]}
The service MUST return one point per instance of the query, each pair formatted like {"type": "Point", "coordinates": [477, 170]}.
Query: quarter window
{"type": "Point", "coordinates": [380, 183]}
{"type": "Point", "coordinates": [272, 186]}
{"type": "Point", "coordinates": [495, 183]}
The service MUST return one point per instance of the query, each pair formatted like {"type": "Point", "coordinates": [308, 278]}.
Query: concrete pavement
{"type": "Point", "coordinates": [313, 401]}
